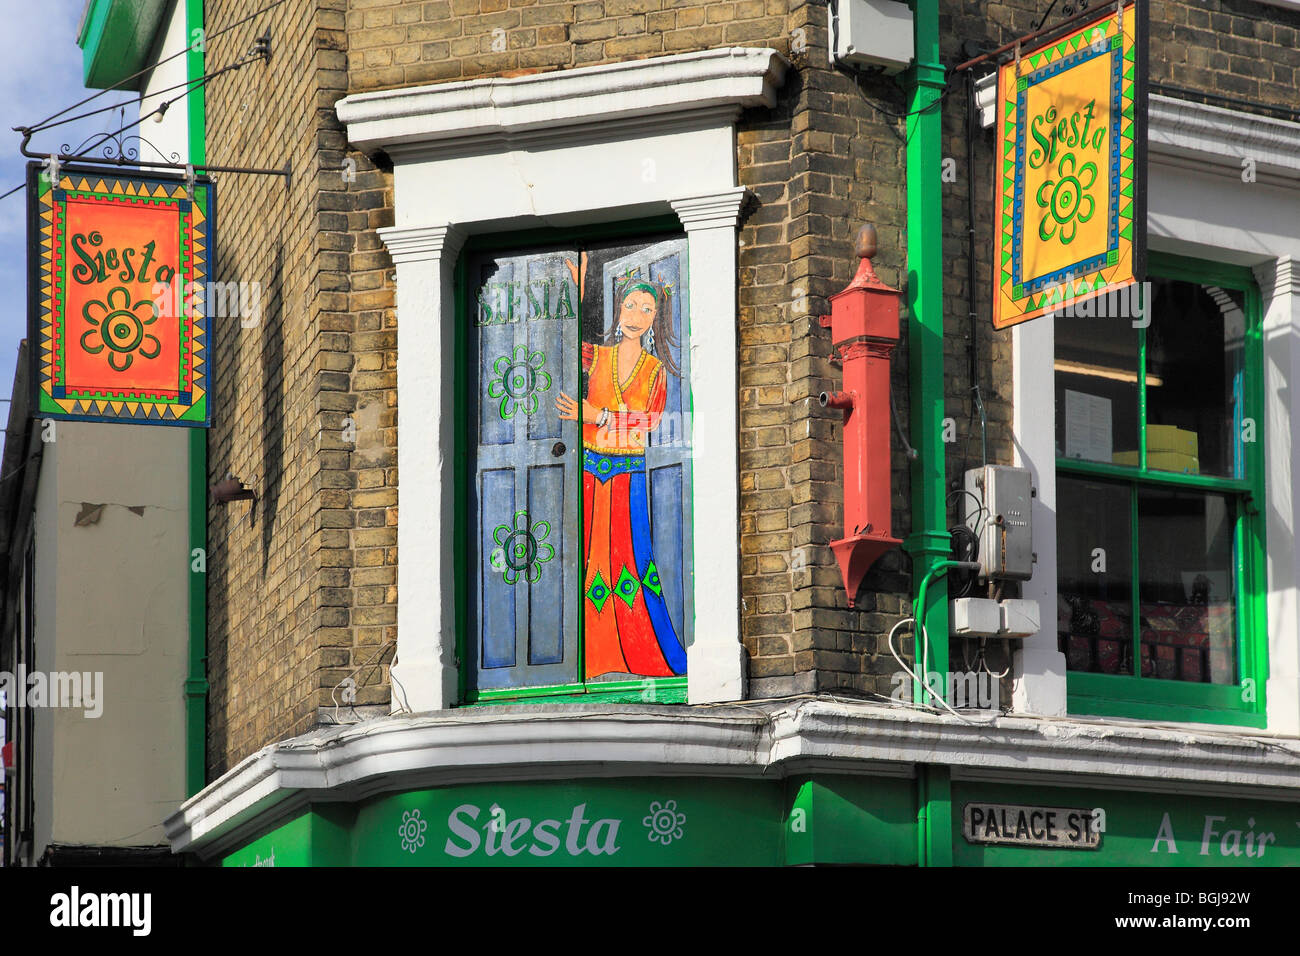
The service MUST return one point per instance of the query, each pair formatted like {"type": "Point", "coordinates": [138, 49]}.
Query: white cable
{"type": "Point", "coordinates": [908, 670]}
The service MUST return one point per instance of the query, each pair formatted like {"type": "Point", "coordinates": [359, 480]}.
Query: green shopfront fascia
{"type": "Point", "coordinates": [814, 819]}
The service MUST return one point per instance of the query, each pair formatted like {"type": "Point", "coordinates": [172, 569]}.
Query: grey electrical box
{"type": "Point", "coordinates": [1018, 617]}
{"type": "Point", "coordinates": [974, 617]}
{"type": "Point", "coordinates": [998, 512]}
{"type": "Point", "coordinates": [870, 33]}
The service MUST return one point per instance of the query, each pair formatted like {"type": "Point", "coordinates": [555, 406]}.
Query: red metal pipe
{"type": "Point", "coordinates": [864, 329]}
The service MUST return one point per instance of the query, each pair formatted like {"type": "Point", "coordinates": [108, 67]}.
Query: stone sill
{"type": "Point", "coordinates": [781, 738]}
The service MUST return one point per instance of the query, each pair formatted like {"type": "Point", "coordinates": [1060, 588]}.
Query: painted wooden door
{"type": "Point", "coordinates": [668, 447]}
{"type": "Point", "coordinates": [524, 500]}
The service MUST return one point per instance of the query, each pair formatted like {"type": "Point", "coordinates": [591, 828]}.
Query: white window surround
{"type": "Point", "coordinates": [1198, 205]}
{"type": "Point", "coordinates": [596, 144]}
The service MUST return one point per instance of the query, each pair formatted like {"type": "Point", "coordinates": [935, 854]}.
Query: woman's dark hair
{"type": "Point", "coordinates": [662, 326]}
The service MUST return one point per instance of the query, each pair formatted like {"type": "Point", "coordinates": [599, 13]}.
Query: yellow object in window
{"type": "Point", "coordinates": [1161, 461]}
{"type": "Point", "coordinates": [1170, 438]}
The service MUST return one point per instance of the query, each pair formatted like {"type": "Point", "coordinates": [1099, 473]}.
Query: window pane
{"type": "Point", "coordinates": [1096, 388]}
{"type": "Point", "coordinates": [1187, 586]}
{"type": "Point", "coordinates": [1194, 364]}
{"type": "Point", "coordinates": [1094, 575]}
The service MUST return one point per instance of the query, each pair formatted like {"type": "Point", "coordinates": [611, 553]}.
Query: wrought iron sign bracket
{"type": "Point", "coordinates": [260, 50]}
{"type": "Point", "coordinates": [57, 160]}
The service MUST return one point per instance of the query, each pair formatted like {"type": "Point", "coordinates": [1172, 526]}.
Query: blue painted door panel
{"type": "Point", "coordinates": [526, 483]}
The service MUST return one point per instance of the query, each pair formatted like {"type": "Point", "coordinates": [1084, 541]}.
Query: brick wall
{"type": "Point", "coordinates": [396, 43]}
{"type": "Point", "coordinates": [305, 593]}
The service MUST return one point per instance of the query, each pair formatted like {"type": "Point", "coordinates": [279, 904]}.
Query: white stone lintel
{"type": "Point", "coordinates": [488, 109]}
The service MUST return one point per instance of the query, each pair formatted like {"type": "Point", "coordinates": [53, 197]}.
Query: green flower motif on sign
{"type": "Point", "coordinates": [519, 380]}
{"type": "Point", "coordinates": [121, 326]}
{"type": "Point", "coordinates": [522, 549]}
{"type": "Point", "coordinates": [1065, 207]}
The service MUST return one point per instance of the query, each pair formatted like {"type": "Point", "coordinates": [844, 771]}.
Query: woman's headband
{"type": "Point", "coordinates": [642, 286]}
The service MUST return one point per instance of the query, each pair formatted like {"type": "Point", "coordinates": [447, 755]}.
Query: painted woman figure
{"type": "Point", "coordinates": [627, 627]}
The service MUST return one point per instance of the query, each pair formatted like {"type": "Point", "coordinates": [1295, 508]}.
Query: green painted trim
{"type": "Point", "coordinates": [320, 837]}
{"type": "Point", "coordinates": [116, 39]}
{"type": "Point", "coordinates": [848, 820]}
{"type": "Point", "coordinates": [934, 829]}
{"type": "Point", "coordinates": [196, 684]}
{"type": "Point", "coordinates": [1096, 469]}
{"type": "Point", "coordinates": [196, 100]}
{"type": "Point", "coordinates": [819, 819]}
{"type": "Point", "coordinates": [460, 531]}
{"type": "Point", "coordinates": [929, 542]}
{"type": "Point", "coordinates": [1145, 698]}
{"type": "Point", "coordinates": [662, 690]}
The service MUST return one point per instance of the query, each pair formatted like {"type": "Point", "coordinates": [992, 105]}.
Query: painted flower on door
{"type": "Point", "coordinates": [519, 379]}
{"type": "Point", "coordinates": [522, 548]}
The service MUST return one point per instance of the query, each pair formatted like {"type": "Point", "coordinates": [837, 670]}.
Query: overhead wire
{"type": "Point", "coordinates": [207, 37]}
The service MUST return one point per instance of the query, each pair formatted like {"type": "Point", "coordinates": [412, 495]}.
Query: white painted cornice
{"type": "Point", "coordinates": [478, 745]}
{"type": "Point", "coordinates": [491, 109]}
{"type": "Point", "coordinates": [416, 244]}
{"type": "Point", "coordinates": [1278, 277]}
{"type": "Point", "coordinates": [1222, 138]}
{"type": "Point", "coordinates": [715, 211]}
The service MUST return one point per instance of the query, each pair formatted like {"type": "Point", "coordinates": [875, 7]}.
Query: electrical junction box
{"type": "Point", "coordinates": [1019, 618]}
{"type": "Point", "coordinates": [870, 33]}
{"type": "Point", "coordinates": [998, 512]}
{"type": "Point", "coordinates": [974, 617]}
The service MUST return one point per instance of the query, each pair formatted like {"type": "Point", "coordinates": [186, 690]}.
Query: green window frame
{"type": "Point", "coordinates": [660, 690]}
{"type": "Point", "coordinates": [1151, 698]}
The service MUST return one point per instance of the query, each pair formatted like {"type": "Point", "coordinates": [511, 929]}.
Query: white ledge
{"type": "Point", "coordinates": [730, 78]}
{"type": "Point", "coordinates": [1222, 137]}
{"type": "Point", "coordinates": [445, 748]}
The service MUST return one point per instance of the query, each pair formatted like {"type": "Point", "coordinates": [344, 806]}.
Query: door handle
{"type": "Point", "coordinates": [558, 449]}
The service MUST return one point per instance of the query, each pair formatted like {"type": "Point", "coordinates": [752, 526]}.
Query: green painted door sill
{"type": "Point", "coordinates": [663, 690]}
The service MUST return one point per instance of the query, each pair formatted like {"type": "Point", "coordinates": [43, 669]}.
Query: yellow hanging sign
{"type": "Point", "coordinates": [1071, 168]}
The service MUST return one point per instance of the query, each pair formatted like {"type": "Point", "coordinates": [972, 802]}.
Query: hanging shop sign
{"type": "Point", "coordinates": [1071, 167]}
{"type": "Point", "coordinates": [119, 269]}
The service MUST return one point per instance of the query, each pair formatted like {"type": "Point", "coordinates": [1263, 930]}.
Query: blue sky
{"type": "Point", "coordinates": [40, 74]}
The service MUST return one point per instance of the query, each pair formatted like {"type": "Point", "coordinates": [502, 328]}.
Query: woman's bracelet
{"type": "Point", "coordinates": [602, 418]}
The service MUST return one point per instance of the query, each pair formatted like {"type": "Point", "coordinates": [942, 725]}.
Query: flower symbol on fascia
{"type": "Point", "coordinates": [121, 326]}
{"type": "Point", "coordinates": [664, 822]}
{"type": "Point", "coordinates": [519, 380]}
{"type": "Point", "coordinates": [522, 548]}
{"type": "Point", "coordinates": [412, 830]}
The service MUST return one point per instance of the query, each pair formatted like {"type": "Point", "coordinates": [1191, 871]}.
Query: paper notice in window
{"type": "Point", "coordinates": [1087, 426]}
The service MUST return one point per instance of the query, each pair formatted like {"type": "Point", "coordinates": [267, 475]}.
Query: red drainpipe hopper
{"type": "Point", "coordinates": [864, 329]}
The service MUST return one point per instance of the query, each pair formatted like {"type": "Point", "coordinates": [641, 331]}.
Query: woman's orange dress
{"type": "Point", "coordinates": [627, 626]}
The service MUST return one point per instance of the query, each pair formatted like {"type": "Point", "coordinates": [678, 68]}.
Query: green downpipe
{"type": "Point", "coordinates": [929, 543]}
{"type": "Point", "coordinates": [196, 684]}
